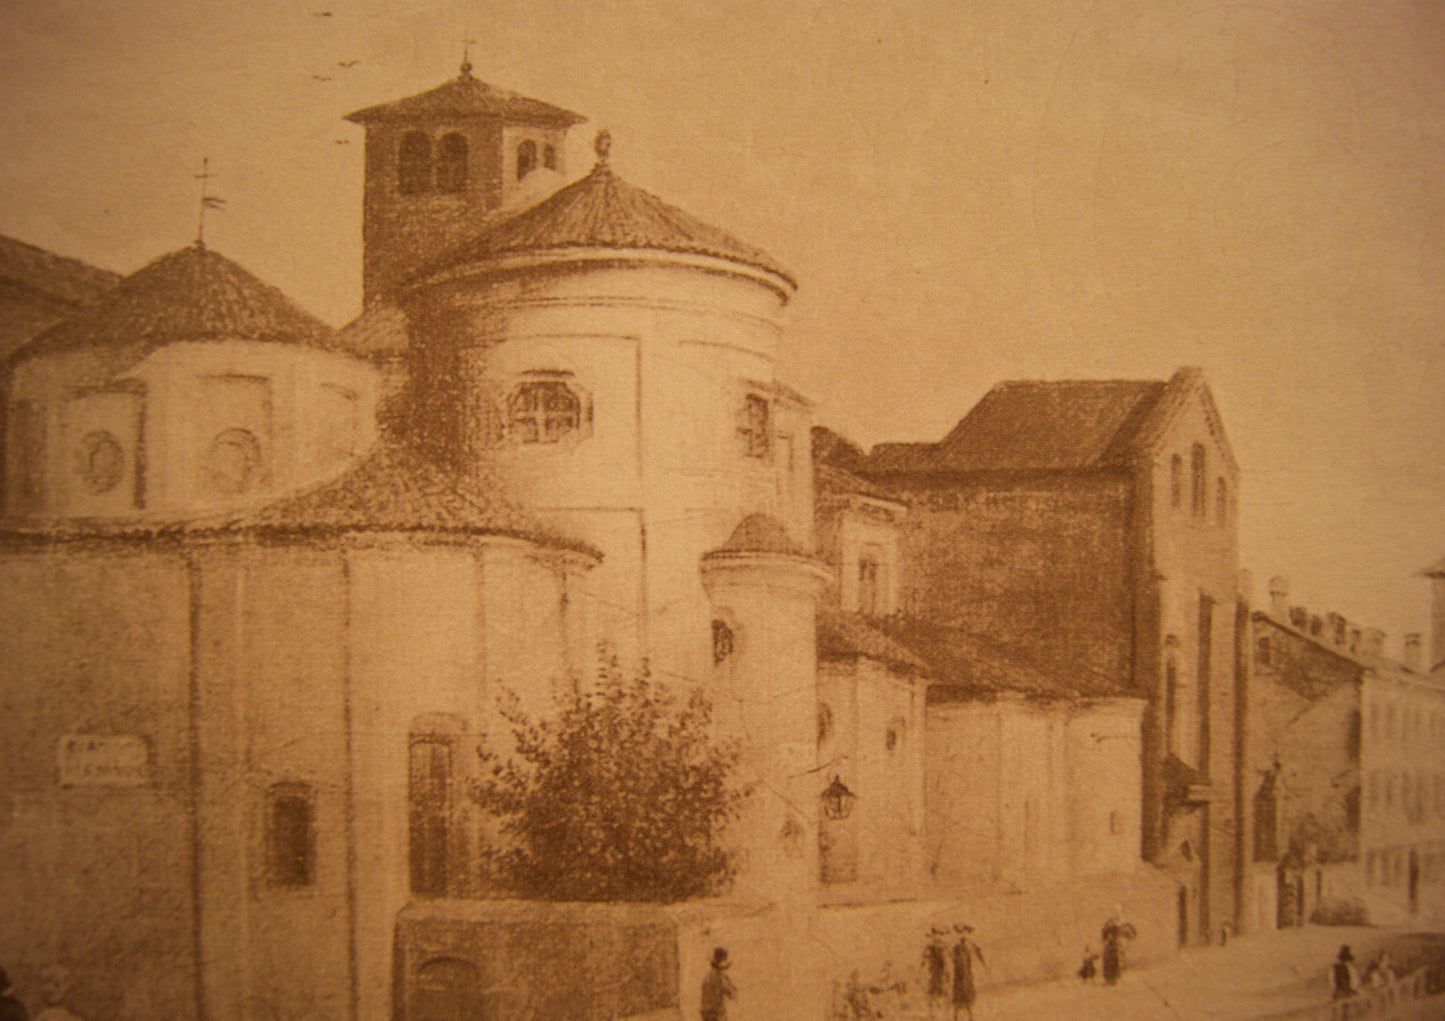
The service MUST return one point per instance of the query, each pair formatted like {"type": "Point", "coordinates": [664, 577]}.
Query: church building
{"type": "Point", "coordinates": [267, 584]}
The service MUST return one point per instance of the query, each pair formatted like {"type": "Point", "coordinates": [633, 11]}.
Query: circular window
{"type": "Point", "coordinates": [233, 464]}
{"type": "Point", "coordinates": [101, 462]}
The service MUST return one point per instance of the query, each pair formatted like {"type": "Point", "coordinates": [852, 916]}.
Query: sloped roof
{"type": "Point", "coordinates": [828, 479]}
{"type": "Point", "coordinates": [1036, 425]}
{"type": "Point", "coordinates": [1050, 425]}
{"type": "Point", "coordinates": [603, 211]}
{"type": "Point", "coordinates": [969, 666]}
{"type": "Point", "coordinates": [465, 96]}
{"type": "Point", "coordinates": [1435, 570]}
{"type": "Point", "coordinates": [393, 489]}
{"type": "Point", "coordinates": [380, 330]}
{"type": "Point", "coordinates": [848, 635]}
{"type": "Point", "coordinates": [66, 280]}
{"type": "Point", "coordinates": [191, 294]}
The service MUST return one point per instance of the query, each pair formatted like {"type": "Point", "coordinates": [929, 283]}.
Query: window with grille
{"type": "Point", "coordinates": [543, 411]}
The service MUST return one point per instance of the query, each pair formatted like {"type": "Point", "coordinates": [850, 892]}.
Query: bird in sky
{"type": "Point", "coordinates": [341, 141]}
{"type": "Point", "coordinates": [347, 63]}
{"type": "Point", "coordinates": [322, 77]}
{"type": "Point", "coordinates": [321, 14]}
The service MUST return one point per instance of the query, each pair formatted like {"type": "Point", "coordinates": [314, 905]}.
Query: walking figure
{"type": "Point", "coordinates": [717, 988]}
{"type": "Point", "coordinates": [964, 951]}
{"type": "Point", "coordinates": [935, 963]}
{"type": "Point", "coordinates": [1090, 967]}
{"type": "Point", "coordinates": [1114, 934]}
{"type": "Point", "coordinates": [1346, 979]}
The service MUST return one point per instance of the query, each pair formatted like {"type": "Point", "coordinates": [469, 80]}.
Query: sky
{"type": "Point", "coordinates": [967, 193]}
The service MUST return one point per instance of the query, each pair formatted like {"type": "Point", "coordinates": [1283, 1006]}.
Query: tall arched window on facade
{"type": "Point", "coordinates": [413, 164]}
{"type": "Point", "coordinates": [428, 791]}
{"type": "Point", "coordinates": [526, 158]}
{"type": "Point", "coordinates": [1176, 481]}
{"type": "Point", "coordinates": [452, 163]}
{"type": "Point", "coordinates": [1221, 501]}
{"type": "Point", "coordinates": [549, 157]}
{"type": "Point", "coordinates": [1199, 495]}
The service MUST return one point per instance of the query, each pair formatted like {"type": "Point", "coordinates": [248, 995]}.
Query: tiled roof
{"type": "Point", "coordinates": [67, 280]}
{"type": "Point", "coordinates": [463, 97]}
{"type": "Point", "coordinates": [392, 490]}
{"type": "Point", "coordinates": [1049, 426]}
{"type": "Point", "coordinates": [969, 666]}
{"type": "Point", "coordinates": [380, 331]}
{"type": "Point", "coordinates": [847, 635]}
{"type": "Point", "coordinates": [1029, 425]}
{"type": "Point", "coordinates": [191, 294]}
{"type": "Point", "coordinates": [828, 479]}
{"type": "Point", "coordinates": [603, 211]}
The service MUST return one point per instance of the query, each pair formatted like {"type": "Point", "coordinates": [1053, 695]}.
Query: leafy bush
{"type": "Point", "coordinates": [622, 796]}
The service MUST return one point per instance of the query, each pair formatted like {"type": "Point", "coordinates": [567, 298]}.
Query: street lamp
{"type": "Point", "coordinates": [837, 800]}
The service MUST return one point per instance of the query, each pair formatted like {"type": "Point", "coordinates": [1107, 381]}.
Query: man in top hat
{"type": "Point", "coordinates": [1346, 979]}
{"type": "Point", "coordinates": [717, 988]}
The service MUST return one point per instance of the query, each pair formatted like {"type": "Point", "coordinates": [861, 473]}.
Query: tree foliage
{"type": "Point", "coordinates": [622, 795]}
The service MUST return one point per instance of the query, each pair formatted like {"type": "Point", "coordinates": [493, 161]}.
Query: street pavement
{"type": "Point", "coordinates": [1272, 975]}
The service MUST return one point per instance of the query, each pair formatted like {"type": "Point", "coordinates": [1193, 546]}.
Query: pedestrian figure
{"type": "Point", "coordinates": [857, 1002]}
{"type": "Point", "coordinates": [1346, 979]}
{"type": "Point", "coordinates": [11, 1009]}
{"type": "Point", "coordinates": [1379, 972]}
{"type": "Point", "coordinates": [1114, 934]}
{"type": "Point", "coordinates": [964, 951]}
{"type": "Point", "coordinates": [1090, 967]}
{"type": "Point", "coordinates": [935, 962]}
{"type": "Point", "coordinates": [717, 988]}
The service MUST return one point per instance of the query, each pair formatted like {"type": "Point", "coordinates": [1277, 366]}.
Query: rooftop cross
{"type": "Point", "coordinates": [466, 57]}
{"type": "Point", "coordinates": [207, 201]}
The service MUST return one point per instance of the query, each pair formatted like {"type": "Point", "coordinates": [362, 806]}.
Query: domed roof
{"type": "Point", "coordinates": [191, 294]}
{"type": "Point", "coordinates": [761, 533]}
{"type": "Point", "coordinates": [603, 211]}
{"type": "Point", "coordinates": [465, 96]}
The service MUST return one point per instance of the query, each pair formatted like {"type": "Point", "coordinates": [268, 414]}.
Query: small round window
{"type": "Point", "coordinates": [101, 462]}
{"type": "Point", "coordinates": [233, 464]}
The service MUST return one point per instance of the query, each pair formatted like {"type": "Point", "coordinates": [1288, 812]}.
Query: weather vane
{"type": "Point", "coordinates": [208, 201]}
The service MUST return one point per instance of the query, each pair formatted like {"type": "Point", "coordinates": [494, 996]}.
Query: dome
{"type": "Point", "coordinates": [760, 533]}
{"type": "Point", "coordinates": [188, 295]}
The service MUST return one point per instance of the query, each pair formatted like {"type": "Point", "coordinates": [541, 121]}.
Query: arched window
{"type": "Point", "coordinates": [428, 791]}
{"type": "Point", "coordinates": [1199, 500]}
{"type": "Point", "coordinates": [1171, 706]}
{"type": "Point", "coordinates": [722, 641]}
{"type": "Point", "coordinates": [549, 157]}
{"type": "Point", "coordinates": [869, 586]}
{"type": "Point", "coordinates": [1221, 501]}
{"type": "Point", "coordinates": [542, 411]}
{"type": "Point", "coordinates": [526, 157]}
{"type": "Point", "coordinates": [290, 836]}
{"type": "Point", "coordinates": [1176, 480]}
{"type": "Point", "coordinates": [413, 164]}
{"type": "Point", "coordinates": [452, 163]}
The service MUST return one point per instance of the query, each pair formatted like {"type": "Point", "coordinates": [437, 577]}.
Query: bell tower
{"type": "Point", "coordinates": [440, 162]}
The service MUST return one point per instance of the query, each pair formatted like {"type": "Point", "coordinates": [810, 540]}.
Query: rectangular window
{"type": "Point", "coordinates": [756, 427]}
{"type": "Point", "coordinates": [868, 594]}
{"type": "Point", "coordinates": [290, 836]}
{"type": "Point", "coordinates": [1205, 676]}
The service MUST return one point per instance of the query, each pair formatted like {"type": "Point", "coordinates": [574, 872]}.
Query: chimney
{"type": "Point", "coordinates": [1279, 598]}
{"type": "Point", "coordinates": [1337, 627]}
{"type": "Point", "coordinates": [1372, 642]}
{"type": "Point", "coordinates": [1412, 652]}
{"type": "Point", "coordinates": [1299, 618]}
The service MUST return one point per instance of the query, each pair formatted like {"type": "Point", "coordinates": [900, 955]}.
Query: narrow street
{"type": "Point", "coordinates": [1274, 976]}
